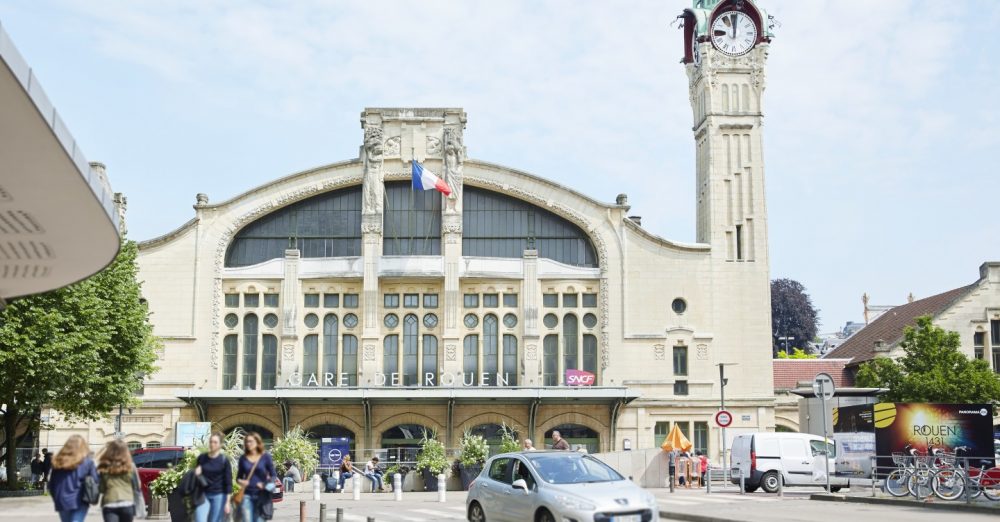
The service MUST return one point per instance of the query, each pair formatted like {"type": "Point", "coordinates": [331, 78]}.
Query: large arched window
{"type": "Point", "coordinates": [590, 353]}
{"type": "Point", "coordinates": [327, 225]}
{"type": "Point", "coordinates": [351, 359]}
{"type": "Point", "coordinates": [332, 431]}
{"type": "Point", "coordinates": [250, 352]}
{"type": "Point", "coordinates": [577, 435]}
{"type": "Point", "coordinates": [470, 360]}
{"type": "Point", "coordinates": [310, 359]}
{"type": "Point", "coordinates": [510, 360]}
{"type": "Point", "coordinates": [490, 349]}
{"type": "Point", "coordinates": [571, 348]}
{"type": "Point", "coordinates": [412, 221]}
{"type": "Point", "coordinates": [269, 363]}
{"type": "Point", "coordinates": [390, 358]}
{"type": "Point", "coordinates": [411, 351]}
{"type": "Point", "coordinates": [330, 345]}
{"type": "Point", "coordinates": [230, 354]}
{"type": "Point", "coordinates": [550, 360]}
{"type": "Point", "coordinates": [497, 225]}
{"type": "Point", "coordinates": [430, 369]}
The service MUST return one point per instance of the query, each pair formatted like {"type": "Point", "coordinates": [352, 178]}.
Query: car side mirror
{"type": "Point", "coordinates": [520, 484]}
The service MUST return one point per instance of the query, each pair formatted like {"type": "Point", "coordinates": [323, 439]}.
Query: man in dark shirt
{"type": "Point", "coordinates": [46, 466]}
{"type": "Point", "coordinates": [559, 443]}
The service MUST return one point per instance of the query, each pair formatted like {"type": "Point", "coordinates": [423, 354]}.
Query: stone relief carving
{"type": "Point", "coordinates": [449, 352]}
{"type": "Point", "coordinates": [369, 352]}
{"type": "Point", "coordinates": [227, 236]}
{"type": "Point", "coordinates": [288, 351]}
{"type": "Point", "coordinates": [702, 351]}
{"type": "Point", "coordinates": [605, 313]}
{"type": "Point", "coordinates": [452, 224]}
{"type": "Point", "coordinates": [371, 224]}
{"type": "Point", "coordinates": [433, 145]}
{"type": "Point", "coordinates": [454, 166]}
{"type": "Point", "coordinates": [392, 146]}
{"type": "Point", "coordinates": [531, 352]}
{"type": "Point", "coordinates": [659, 352]}
{"type": "Point", "coordinates": [373, 187]}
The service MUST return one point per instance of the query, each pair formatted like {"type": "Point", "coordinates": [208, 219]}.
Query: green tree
{"type": "Point", "coordinates": [931, 370]}
{"type": "Point", "coordinates": [81, 350]}
{"type": "Point", "coordinates": [792, 315]}
{"type": "Point", "coordinates": [797, 353]}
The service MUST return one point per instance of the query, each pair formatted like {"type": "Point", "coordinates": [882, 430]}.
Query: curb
{"type": "Point", "coordinates": [941, 506]}
{"type": "Point", "coordinates": [691, 517]}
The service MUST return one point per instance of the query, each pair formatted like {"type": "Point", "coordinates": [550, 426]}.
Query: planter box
{"type": "Point", "coordinates": [469, 473]}
{"type": "Point", "coordinates": [158, 509]}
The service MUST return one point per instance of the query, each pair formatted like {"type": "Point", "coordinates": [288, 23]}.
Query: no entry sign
{"type": "Point", "coordinates": [723, 419]}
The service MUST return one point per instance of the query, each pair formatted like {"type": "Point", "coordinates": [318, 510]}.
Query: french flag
{"type": "Point", "coordinates": [424, 179]}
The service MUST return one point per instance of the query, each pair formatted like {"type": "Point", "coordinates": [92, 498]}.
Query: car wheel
{"type": "Point", "coordinates": [771, 481]}
{"type": "Point", "coordinates": [476, 513]}
{"type": "Point", "coordinates": [544, 516]}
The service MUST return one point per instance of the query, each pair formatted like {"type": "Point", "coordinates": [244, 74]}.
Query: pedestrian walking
{"type": "Point", "coordinates": [528, 445]}
{"type": "Point", "coordinates": [559, 443]}
{"type": "Point", "coordinates": [71, 468]}
{"type": "Point", "coordinates": [256, 479]}
{"type": "Point", "coordinates": [119, 484]}
{"type": "Point", "coordinates": [46, 467]}
{"type": "Point", "coordinates": [702, 467]}
{"type": "Point", "coordinates": [37, 466]}
{"type": "Point", "coordinates": [672, 465]}
{"type": "Point", "coordinates": [215, 474]}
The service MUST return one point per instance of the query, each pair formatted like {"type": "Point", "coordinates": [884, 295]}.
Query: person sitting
{"type": "Point", "coordinates": [346, 471]}
{"type": "Point", "coordinates": [292, 475]}
{"type": "Point", "coordinates": [373, 474]}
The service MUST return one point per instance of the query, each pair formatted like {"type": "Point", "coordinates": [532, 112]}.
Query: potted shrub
{"type": "Point", "coordinates": [390, 472]}
{"type": "Point", "coordinates": [508, 440]}
{"type": "Point", "coordinates": [431, 461]}
{"type": "Point", "coordinates": [165, 486]}
{"type": "Point", "coordinates": [474, 452]}
{"type": "Point", "coordinates": [295, 447]}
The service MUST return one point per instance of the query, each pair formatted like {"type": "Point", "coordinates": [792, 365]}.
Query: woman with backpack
{"type": "Point", "coordinates": [256, 478]}
{"type": "Point", "coordinates": [119, 484]}
{"type": "Point", "coordinates": [74, 481]}
{"type": "Point", "coordinates": [216, 476]}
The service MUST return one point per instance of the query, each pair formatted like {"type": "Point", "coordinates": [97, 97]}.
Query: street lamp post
{"type": "Point", "coordinates": [786, 339]}
{"type": "Point", "coordinates": [722, 404]}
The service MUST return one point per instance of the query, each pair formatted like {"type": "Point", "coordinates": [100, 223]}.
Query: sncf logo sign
{"type": "Point", "coordinates": [579, 378]}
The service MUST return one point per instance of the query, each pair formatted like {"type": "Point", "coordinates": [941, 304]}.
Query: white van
{"type": "Point", "coordinates": [797, 457]}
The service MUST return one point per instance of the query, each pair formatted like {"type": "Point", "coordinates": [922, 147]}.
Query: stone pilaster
{"type": "Point", "coordinates": [530, 297]}
{"type": "Point", "coordinates": [291, 296]}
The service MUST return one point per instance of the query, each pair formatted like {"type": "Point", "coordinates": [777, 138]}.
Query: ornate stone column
{"type": "Point", "coordinates": [291, 295]}
{"type": "Point", "coordinates": [373, 197]}
{"type": "Point", "coordinates": [529, 310]}
{"type": "Point", "coordinates": [451, 235]}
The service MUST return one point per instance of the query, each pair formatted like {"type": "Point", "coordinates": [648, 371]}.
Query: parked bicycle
{"type": "Point", "coordinates": [950, 483]}
{"type": "Point", "coordinates": [914, 472]}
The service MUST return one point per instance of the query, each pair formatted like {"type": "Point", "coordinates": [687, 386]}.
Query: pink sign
{"type": "Point", "coordinates": [579, 378]}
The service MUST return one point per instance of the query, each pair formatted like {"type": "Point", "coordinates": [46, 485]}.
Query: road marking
{"type": "Point", "coordinates": [432, 512]}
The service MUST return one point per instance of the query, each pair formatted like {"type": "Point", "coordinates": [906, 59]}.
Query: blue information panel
{"type": "Point", "coordinates": [332, 451]}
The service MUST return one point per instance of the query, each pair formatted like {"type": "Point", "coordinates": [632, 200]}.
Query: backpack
{"type": "Point", "coordinates": [90, 490]}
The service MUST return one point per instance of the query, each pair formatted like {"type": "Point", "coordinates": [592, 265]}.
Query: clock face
{"type": "Point", "coordinates": [734, 33]}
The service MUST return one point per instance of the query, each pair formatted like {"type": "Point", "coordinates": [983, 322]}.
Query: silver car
{"type": "Point", "coordinates": [555, 486]}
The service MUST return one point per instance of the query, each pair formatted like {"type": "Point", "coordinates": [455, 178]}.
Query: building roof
{"type": "Point", "coordinates": [888, 327]}
{"type": "Point", "coordinates": [788, 373]}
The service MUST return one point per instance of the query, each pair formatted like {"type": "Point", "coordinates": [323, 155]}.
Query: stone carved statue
{"type": "Point", "coordinates": [373, 187]}
{"type": "Point", "coordinates": [454, 161]}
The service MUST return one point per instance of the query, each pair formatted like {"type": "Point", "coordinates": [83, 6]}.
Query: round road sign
{"type": "Point", "coordinates": [723, 419]}
{"type": "Point", "coordinates": [823, 386]}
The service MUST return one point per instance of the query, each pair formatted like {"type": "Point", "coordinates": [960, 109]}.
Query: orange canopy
{"type": "Point", "coordinates": [676, 439]}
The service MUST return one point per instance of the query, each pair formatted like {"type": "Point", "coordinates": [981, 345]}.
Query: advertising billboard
{"type": "Point", "coordinates": [854, 434]}
{"type": "Point", "coordinates": [192, 433]}
{"type": "Point", "coordinates": [332, 451]}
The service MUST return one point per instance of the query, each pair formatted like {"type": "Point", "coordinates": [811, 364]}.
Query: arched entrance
{"type": "Point", "coordinates": [402, 443]}
{"type": "Point", "coordinates": [265, 433]}
{"type": "Point", "coordinates": [577, 435]}
{"type": "Point", "coordinates": [781, 428]}
{"type": "Point", "coordinates": [332, 431]}
{"type": "Point", "coordinates": [493, 433]}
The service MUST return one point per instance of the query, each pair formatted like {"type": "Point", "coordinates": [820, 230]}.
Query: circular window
{"type": "Point", "coordinates": [350, 320]}
{"type": "Point", "coordinates": [679, 305]}
{"type": "Point", "coordinates": [590, 320]}
{"type": "Point", "coordinates": [391, 320]}
{"type": "Point", "coordinates": [430, 320]}
{"type": "Point", "coordinates": [311, 320]}
{"type": "Point", "coordinates": [550, 320]}
{"type": "Point", "coordinates": [232, 320]}
{"type": "Point", "coordinates": [471, 321]}
{"type": "Point", "coordinates": [270, 320]}
{"type": "Point", "coordinates": [510, 320]}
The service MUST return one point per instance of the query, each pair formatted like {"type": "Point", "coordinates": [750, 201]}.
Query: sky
{"type": "Point", "coordinates": [881, 118]}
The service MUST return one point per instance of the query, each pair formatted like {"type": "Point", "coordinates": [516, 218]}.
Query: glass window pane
{"type": "Point", "coordinates": [470, 360]}
{"type": "Point", "coordinates": [571, 349]}
{"type": "Point", "coordinates": [311, 300]}
{"type": "Point", "coordinates": [331, 338]}
{"type": "Point", "coordinates": [232, 300]}
{"type": "Point", "coordinates": [331, 300]}
{"type": "Point", "coordinates": [430, 361]}
{"type": "Point", "coordinates": [471, 300]}
{"type": "Point", "coordinates": [230, 348]}
{"type": "Point", "coordinates": [550, 360]}
{"type": "Point", "coordinates": [680, 360]}
{"type": "Point", "coordinates": [490, 349]}
{"type": "Point", "coordinates": [412, 220]}
{"type": "Point", "coordinates": [310, 358]}
{"type": "Point", "coordinates": [510, 300]}
{"type": "Point", "coordinates": [680, 387]}
{"type": "Point", "coordinates": [569, 300]}
{"type": "Point", "coordinates": [430, 300]}
{"type": "Point", "coordinates": [660, 431]}
{"type": "Point", "coordinates": [250, 352]}
{"type": "Point", "coordinates": [390, 358]}
{"type": "Point", "coordinates": [590, 300]}
{"type": "Point", "coordinates": [350, 300]}
{"type": "Point", "coordinates": [351, 360]}
{"type": "Point", "coordinates": [491, 300]}
{"type": "Point", "coordinates": [550, 300]}
{"type": "Point", "coordinates": [590, 353]}
{"type": "Point", "coordinates": [411, 300]}
{"type": "Point", "coordinates": [700, 440]}
{"type": "Point", "coordinates": [271, 300]}
{"type": "Point", "coordinates": [251, 300]}
{"type": "Point", "coordinates": [410, 351]}
{"type": "Point", "coordinates": [269, 363]}
{"type": "Point", "coordinates": [510, 360]}
{"type": "Point", "coordinates": [995, 332]}
{"type": "Point", "coordinates": [390, 300]}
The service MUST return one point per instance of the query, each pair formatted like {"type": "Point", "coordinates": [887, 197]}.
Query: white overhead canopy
{"type": "Point", "coordinates": [58, 222]}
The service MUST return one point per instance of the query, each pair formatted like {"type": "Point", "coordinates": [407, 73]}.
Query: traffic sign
{"type": "Point", "coordinates": [823, 386]}
{"type": "Point", "coordinates": [723, 419]}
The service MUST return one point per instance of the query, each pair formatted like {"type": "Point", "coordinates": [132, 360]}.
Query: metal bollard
{"type": "Point", "coordinates": [322, 513]}
{"type": "Point", "coordinates": [708, 482]}
{"type": "Point", "coordinates": [357, 486]}
{"type": "Point", "coordinates": [781, 486]}
{"type": "Point", "coordinates": [670, 479]}
{"type": "Point", "coordinates": [340, 514]}
{"type": "Point", "coordinates": [874, 475]}
{"type": "Point", "coordinates": [371, 519]}
{"type": "Point", "coordinates": [441, 487]}
{"type": "Point", "coordinates": [743, 489]}
{"type": "Point", "coordinates": [397, 487]}
{"type": "Point", "coordinates": [316, 488]}
{"type": "Point", "coordinates": [302, 511]}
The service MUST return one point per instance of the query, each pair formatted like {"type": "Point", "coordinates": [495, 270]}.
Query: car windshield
{"type": "Point", "coordinates": [562, 468]}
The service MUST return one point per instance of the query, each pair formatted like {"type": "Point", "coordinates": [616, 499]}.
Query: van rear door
{"type": "Point", "coordinates": [740, 457]}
